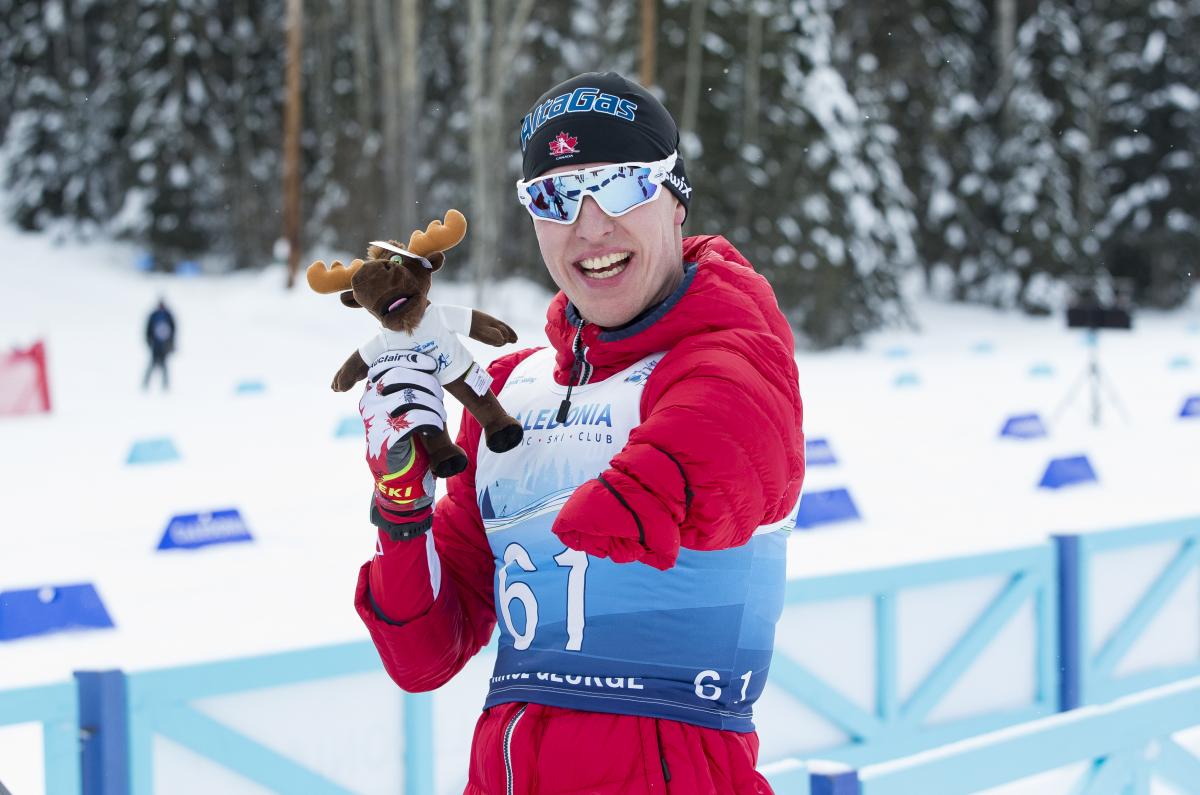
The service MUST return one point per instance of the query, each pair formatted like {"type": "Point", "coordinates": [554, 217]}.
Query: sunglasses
{"type": "Point", "coordinates": [618, 189]}
{"type": "Point", "coordinates": [399, 252]}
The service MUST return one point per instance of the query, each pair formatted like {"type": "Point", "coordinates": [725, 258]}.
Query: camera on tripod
{"type": "Point", "coordinates": [1088, 310]}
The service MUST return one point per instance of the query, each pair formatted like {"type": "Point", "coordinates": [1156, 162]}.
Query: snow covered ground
{"type": "Point", "coordinates": [923, 462]}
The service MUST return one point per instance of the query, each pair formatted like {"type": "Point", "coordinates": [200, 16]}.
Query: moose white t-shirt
{"type": "Point", "coordinates": [436, 336]}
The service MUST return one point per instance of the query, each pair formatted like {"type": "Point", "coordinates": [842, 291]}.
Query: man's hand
{"type": "Point", "coordinates": [401, 397]}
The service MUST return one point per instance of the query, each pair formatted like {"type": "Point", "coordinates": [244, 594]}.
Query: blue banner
{"type": "Point", "coordinates": [1067, 472]}
{"type": "Point", "coordinates": [195, 530]}
{"type": "Point", "coordinates": [51, 608]}
{"type": "Point", "coordinates": [1023, 426]}
{"type": "Point", "coordinates": [152, 451]}
{"type": "Point", "coordinates": [349, 427]}
{"type": "Point", "coordinates": [817, 452]}
{"type": "Point", "coordinates": [1041, 370]}
{"type": "Point", "coordinates": [826, 507]}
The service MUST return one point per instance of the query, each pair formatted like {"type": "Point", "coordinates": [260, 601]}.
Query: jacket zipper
{"type": "Point", "coordinates": [662, 757]}
{"type": "Point", "coordinates": [508, 734]}
{"type": "Point", "coordinates": [581, 371]}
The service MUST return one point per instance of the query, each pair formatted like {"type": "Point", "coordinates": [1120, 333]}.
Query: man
{"type": "Point", "coordinates": [630, 549]}
{"type": "Point", "coordinates": [160, 337]}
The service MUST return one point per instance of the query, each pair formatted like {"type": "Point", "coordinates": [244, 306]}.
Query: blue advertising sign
{"type": "Point", "coordinates": [817, 452]}
{"type": "Point", "coordinates": [152, 451]}
{"type": "Point", "coordinates": [1067, 472]}
{"type": "Point", "coordinates": [1191, 407]}
{"type": "Point", "coordinates": [1041, 370]}
{"type": "Point", "coordinates": [351, 427]}
{"type": "Point", "coordinates": [825, 507]}
{"type": "Point", "coordinates": [1023, 426]}
{"type": "Point", "coordinates": [195, 530]}
{"type": "Point", "coordinates": [51, 608]}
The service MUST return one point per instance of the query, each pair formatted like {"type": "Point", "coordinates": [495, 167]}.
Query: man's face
{"type": "Point", "coordinates": [613, 268]}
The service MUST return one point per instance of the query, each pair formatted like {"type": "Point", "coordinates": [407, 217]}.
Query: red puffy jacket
{"type": "Point", "coordinates": [719, 451]}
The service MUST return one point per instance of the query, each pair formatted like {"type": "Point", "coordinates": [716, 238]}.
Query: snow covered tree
{"type": "Point", "coordinates": [1149, 226]}
{"type": "Point", "coordinates": [186, 139]}
{"type": "Point", "coordinates": [932, 76]}
{"type": "Point", "coordinates": [65, 111]}
{"type": "Point", "coordinates": [810, 189]}
{"type": "Point", "coordinates": [11, 66]}
{"type": "Point", "coordinates": [1038, 220]}
{"type": "Point", "coordinates": [1001, 144]}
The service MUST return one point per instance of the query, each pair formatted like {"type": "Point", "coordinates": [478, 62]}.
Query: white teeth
{"type": "Point", "coordinates": [598, 263]}
{"type": "Point", "coordinates": [604, 274]}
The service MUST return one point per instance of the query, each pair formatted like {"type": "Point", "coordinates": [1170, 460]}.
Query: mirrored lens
{"type": "Point", "coordinates": [549, 199]}
{"type": "Point", "coordinates": [617, 189]}
{"type": "Point", "coordinates": [621, 188]}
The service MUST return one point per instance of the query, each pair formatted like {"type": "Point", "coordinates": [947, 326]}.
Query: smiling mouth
{"type": "Point", "coordinates": [604, 267]}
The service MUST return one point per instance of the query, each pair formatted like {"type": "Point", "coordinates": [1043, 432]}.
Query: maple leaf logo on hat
{"type": "Point", "coordinates": [563, 144]}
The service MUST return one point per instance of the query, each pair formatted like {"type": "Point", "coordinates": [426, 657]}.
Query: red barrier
{"type": "Point", "coordinates": [24, 383]}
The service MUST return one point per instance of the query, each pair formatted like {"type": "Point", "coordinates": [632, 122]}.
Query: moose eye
{"type": "Point", "coordinates": [396, 258]}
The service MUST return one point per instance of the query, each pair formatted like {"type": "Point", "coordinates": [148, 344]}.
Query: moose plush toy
{"type": "Point", "coordinates": [392, 283]}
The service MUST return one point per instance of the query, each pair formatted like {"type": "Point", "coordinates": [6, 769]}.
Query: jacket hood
{"type": "Point", "coordinates": [720, 290]}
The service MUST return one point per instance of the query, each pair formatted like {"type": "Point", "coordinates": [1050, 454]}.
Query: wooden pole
{"type": "Point", "coordinates": [291, 139]}
{"type": "Point", "coordinates": [649, 40]}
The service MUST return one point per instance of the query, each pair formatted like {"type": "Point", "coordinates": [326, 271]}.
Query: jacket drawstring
{"type": "Point", "coordinates": [581, 372]}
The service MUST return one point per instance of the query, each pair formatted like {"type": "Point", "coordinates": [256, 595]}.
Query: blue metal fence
{"type": "Point", "coordinates": [896, 727]}
{"type": "Point", "coordinates": [118, 715]}
{"type": "Point", "coordinates": [160, 703]}
{"type": "Point", "coordinates": [1091, 674]}
{"type": "Point", "coordinates": [55, 707]}
{"type": "Point", "coordinates": [1113, 748]}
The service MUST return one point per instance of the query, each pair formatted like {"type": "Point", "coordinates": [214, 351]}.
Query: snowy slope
{"type": "Point", "coordinates": [923, 462]}
{"type": "Point", "coordinates": [72, 510]}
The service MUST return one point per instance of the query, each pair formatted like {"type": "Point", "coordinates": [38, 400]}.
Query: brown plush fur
{"type": "Point", "coordinates": [380, 281]}
{"type": "Point", "coordinates": [383, 278]}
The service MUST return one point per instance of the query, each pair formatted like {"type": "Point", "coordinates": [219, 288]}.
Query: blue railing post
{"type": "Point", "coordinates": [842, 782]}
{"type": "Point", "coordinates": [418, 743]}
{"type": "Point", "coordinates": [104, 732]}
{"type": "Point", "coordinates": [1070, 627]}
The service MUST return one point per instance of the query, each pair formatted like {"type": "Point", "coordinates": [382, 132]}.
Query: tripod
{"type": "Point", "coordinates": [1093, 376]}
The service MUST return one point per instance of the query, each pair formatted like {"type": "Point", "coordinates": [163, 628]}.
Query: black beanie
{"type": "Point", "coordinates": [601, 118]}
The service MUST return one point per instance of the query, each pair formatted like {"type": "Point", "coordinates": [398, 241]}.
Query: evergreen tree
{"type": "Point", "coordinates": [816, 199]}
{"type": "Point", "coordinates": [1150, 226]}
{"type": "Point", "coordinates": [12, 69]}
{"type": "Point", "coordinates": [1005, 145]}
{"type": "Point", "coordinates": [934, 73]}
{"type": "Point", "coordinates": [179, 136]}
{"type": "Point", "coordinates": [1038, 223]}
{"type": "Point", "coordinates": [65, 112]}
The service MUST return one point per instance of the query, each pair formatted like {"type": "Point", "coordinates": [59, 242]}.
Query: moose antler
{"type": "Point", "coordinates": [439, 236]}
{"type": "Point", "coordinates": [334, 280]}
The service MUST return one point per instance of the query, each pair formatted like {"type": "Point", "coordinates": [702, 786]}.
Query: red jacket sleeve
{"type": "Point", "coordinates": [719, 452]}
{"type": "Point", "coordinates": [425, 638]}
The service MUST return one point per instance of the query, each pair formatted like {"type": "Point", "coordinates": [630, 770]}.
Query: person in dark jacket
{"type": "Point", "coordinates": [160, 337]}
